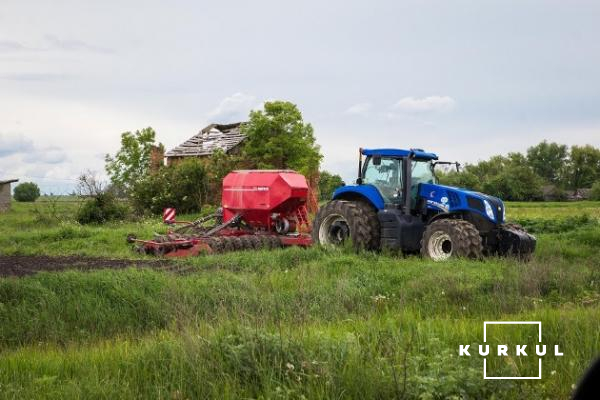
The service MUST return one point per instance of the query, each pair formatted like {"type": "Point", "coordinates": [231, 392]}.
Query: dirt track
{"type": "Point", "coordinates": [28, 265]}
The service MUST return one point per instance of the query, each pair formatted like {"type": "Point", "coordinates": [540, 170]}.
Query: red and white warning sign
{"type": "Point", "coordinates": [169, 215]}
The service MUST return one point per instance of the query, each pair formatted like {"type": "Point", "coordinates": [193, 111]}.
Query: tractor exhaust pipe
{"type": "Point", "coordinates": [359, 179]}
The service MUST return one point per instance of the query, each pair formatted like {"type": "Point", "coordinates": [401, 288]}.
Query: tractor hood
{"type": "Point", "coordinates": [452, 199]}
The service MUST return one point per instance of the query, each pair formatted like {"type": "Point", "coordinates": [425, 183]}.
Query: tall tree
{"type": "Point", "coordinates": [548, 160]}
{"type": "Point", "coordinates": [584, 166]}
{"type": "Point", "coordinates": [277, 137]}
{"type": "Point", "coordinates": [132, 161]}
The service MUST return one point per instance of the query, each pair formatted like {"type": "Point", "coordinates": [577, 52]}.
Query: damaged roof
{"type": "Point", "coordinates": [205, 142]}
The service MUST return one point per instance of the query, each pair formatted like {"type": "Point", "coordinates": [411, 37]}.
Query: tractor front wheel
{"type": "Point", "coordinates": [447, 238]}
{"type": "Point", "coordinates": [340, 220]}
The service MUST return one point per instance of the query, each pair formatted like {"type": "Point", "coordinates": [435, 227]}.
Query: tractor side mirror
{"type": "Point", "coordinates": [376, 160]}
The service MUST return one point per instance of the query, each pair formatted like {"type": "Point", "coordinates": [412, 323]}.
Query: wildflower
{"type": "Point", "coordinates": [290, 366]}
{"type": "Point", "coordinates": [379, 298]}
{"type": "Point", "coordinates": [552, 372]}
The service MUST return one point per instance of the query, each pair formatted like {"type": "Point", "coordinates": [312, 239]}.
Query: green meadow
{"type": "Point", "coordinates": [293, 323]}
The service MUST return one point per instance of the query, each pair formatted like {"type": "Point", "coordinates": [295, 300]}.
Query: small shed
{"type": "Point", "coordinates": [5, 194]}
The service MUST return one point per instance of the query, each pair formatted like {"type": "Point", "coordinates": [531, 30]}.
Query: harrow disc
{"type": "Point", "coordinates": [225, 244]}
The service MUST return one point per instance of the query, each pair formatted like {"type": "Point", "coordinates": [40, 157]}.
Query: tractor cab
{"type": "Point", "coordinates": [397, 174]}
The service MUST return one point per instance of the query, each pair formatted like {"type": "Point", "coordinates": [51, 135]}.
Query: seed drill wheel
{"type": "Point", "coordinates": [340, 220]}
{"type": "Point", "coordinates": [447, 238]}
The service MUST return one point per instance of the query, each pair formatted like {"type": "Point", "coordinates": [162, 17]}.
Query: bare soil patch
{"type": "Point", "coordinates": [17, 265]}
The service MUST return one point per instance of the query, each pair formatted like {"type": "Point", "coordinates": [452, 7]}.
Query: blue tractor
{"type": "Point", "coordinates": [397, 204]}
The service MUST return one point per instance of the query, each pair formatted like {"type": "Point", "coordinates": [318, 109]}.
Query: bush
{"type": "Point", "coordinates": [27, 191]}
{"type": "Point", "coordinates": [515, 183]}
{"type": "Point", "coordinates": [595, 192]}
{"type": "Point", "coordinates": [556, 225]}
{"type": "Point", "coordinates": [183, 186]}
{"type": "Point", "coordinates": [101, 208]}
{"type": "Point", "coordinates": [327, 184]}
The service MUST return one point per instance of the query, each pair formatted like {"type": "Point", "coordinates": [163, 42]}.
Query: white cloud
{"type": "Point", "coordinates": [359, 109]}
{"type": "Point", "coordinates": [425, 104]}
{"type": "Point", "coordinates": [233, 108]}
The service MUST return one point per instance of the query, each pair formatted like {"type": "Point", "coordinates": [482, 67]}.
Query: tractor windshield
{"type": "Point", "coordinates": [385, 173]}
{"type": "Point", "coordinates": [422, 172]}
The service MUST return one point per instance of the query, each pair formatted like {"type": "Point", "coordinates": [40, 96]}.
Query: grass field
{"type": "Point", "coordinates": [294, 323]}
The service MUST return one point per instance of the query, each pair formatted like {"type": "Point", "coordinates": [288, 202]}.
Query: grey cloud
{"type": "Point", "coordinates": [34, 77]}
{"type": "Point", "coordinates": [51, 155]}
{"type": "Point", "coordinates": [52, 43]}
{"type": "Point", "coordinates": [10, 145]}
{"type": "Point", "coordinates": [74, 45]}
{"type": "Point", "coordinates": [11, 45]}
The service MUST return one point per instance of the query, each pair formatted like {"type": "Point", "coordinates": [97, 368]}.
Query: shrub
{"type": "Point", "coordinates": [101, 208]}
{"type": "Point", "coordinates": [182, 186]}
{"type": "Point", "coordinates": [556, 225]}
{"type": "Point", "coordinates": [595, 192]}
{"type": "Point", "coordinates": [328, 182]}
{"type": "Point", "coordinates": [27, 191]}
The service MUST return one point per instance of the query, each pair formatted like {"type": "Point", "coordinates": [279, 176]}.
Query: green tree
{"type": "Point", "coordinates": [462, 179]}
{"type": "Point", "coordinates": [595, 192]}
{"type": "Point", "coordinates": [183, 186]}
{"type": "Point", "coordinates": [26, 192]}
{"type": "Point", "coordinates": [488, 168]}
{"type": "Point", "coordinates": [549, 161]}
{"type": "Point", "coordinates": [584, 166]}
{"type": "Point", "coordinates": [277, 137]}
{"type": "Point", "coordinates": [220, 165]}
{"type": "Point", "coordinates": [132, 161]}
{"type": "Point", "coordinates": [328, 182]}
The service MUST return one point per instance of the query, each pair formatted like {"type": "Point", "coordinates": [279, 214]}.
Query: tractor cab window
{"type": "Point", "coordinates": [385, 173]}
{"type": "Point", "coordinates": [421, 172]}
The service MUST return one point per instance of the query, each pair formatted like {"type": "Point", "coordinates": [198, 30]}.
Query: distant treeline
{"type": "Point", "coordinates": [547, 171]}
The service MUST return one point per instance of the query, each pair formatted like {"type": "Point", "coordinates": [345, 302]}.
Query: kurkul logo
{"type": "Point", "coordinates": [503, 349]}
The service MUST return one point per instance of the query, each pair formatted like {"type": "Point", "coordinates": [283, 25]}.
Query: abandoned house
{"type": "Point", "coordinates": [226, 137]}
{"type": "Point", "coordinates": [5, 194]}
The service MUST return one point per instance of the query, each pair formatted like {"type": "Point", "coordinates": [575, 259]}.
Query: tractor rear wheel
{"type": "Point", "coordinates": [341, 220]}
{"type": "Point", "coordinates": [447, 238]}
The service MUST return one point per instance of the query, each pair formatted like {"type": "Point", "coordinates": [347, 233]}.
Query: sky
{"type": "Point", "coordinates": [464, 79]}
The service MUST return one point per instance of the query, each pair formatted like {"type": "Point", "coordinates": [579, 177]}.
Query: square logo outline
{"type": "Point", "coordinates": [539, 323]}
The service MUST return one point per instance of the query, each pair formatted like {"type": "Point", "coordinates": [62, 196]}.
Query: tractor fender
{"type": "Point", "coordinates": [445, 215]}
{"type": "Point", "coordinates": [482, 224]}
{"type": "Point", "coordinates": [365, 193]}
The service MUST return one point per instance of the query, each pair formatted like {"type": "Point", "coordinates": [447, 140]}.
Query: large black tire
{"type": "Point", "coordinates": [447, 238]}
{"type": "Point", "coordinates": [341, 220]}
